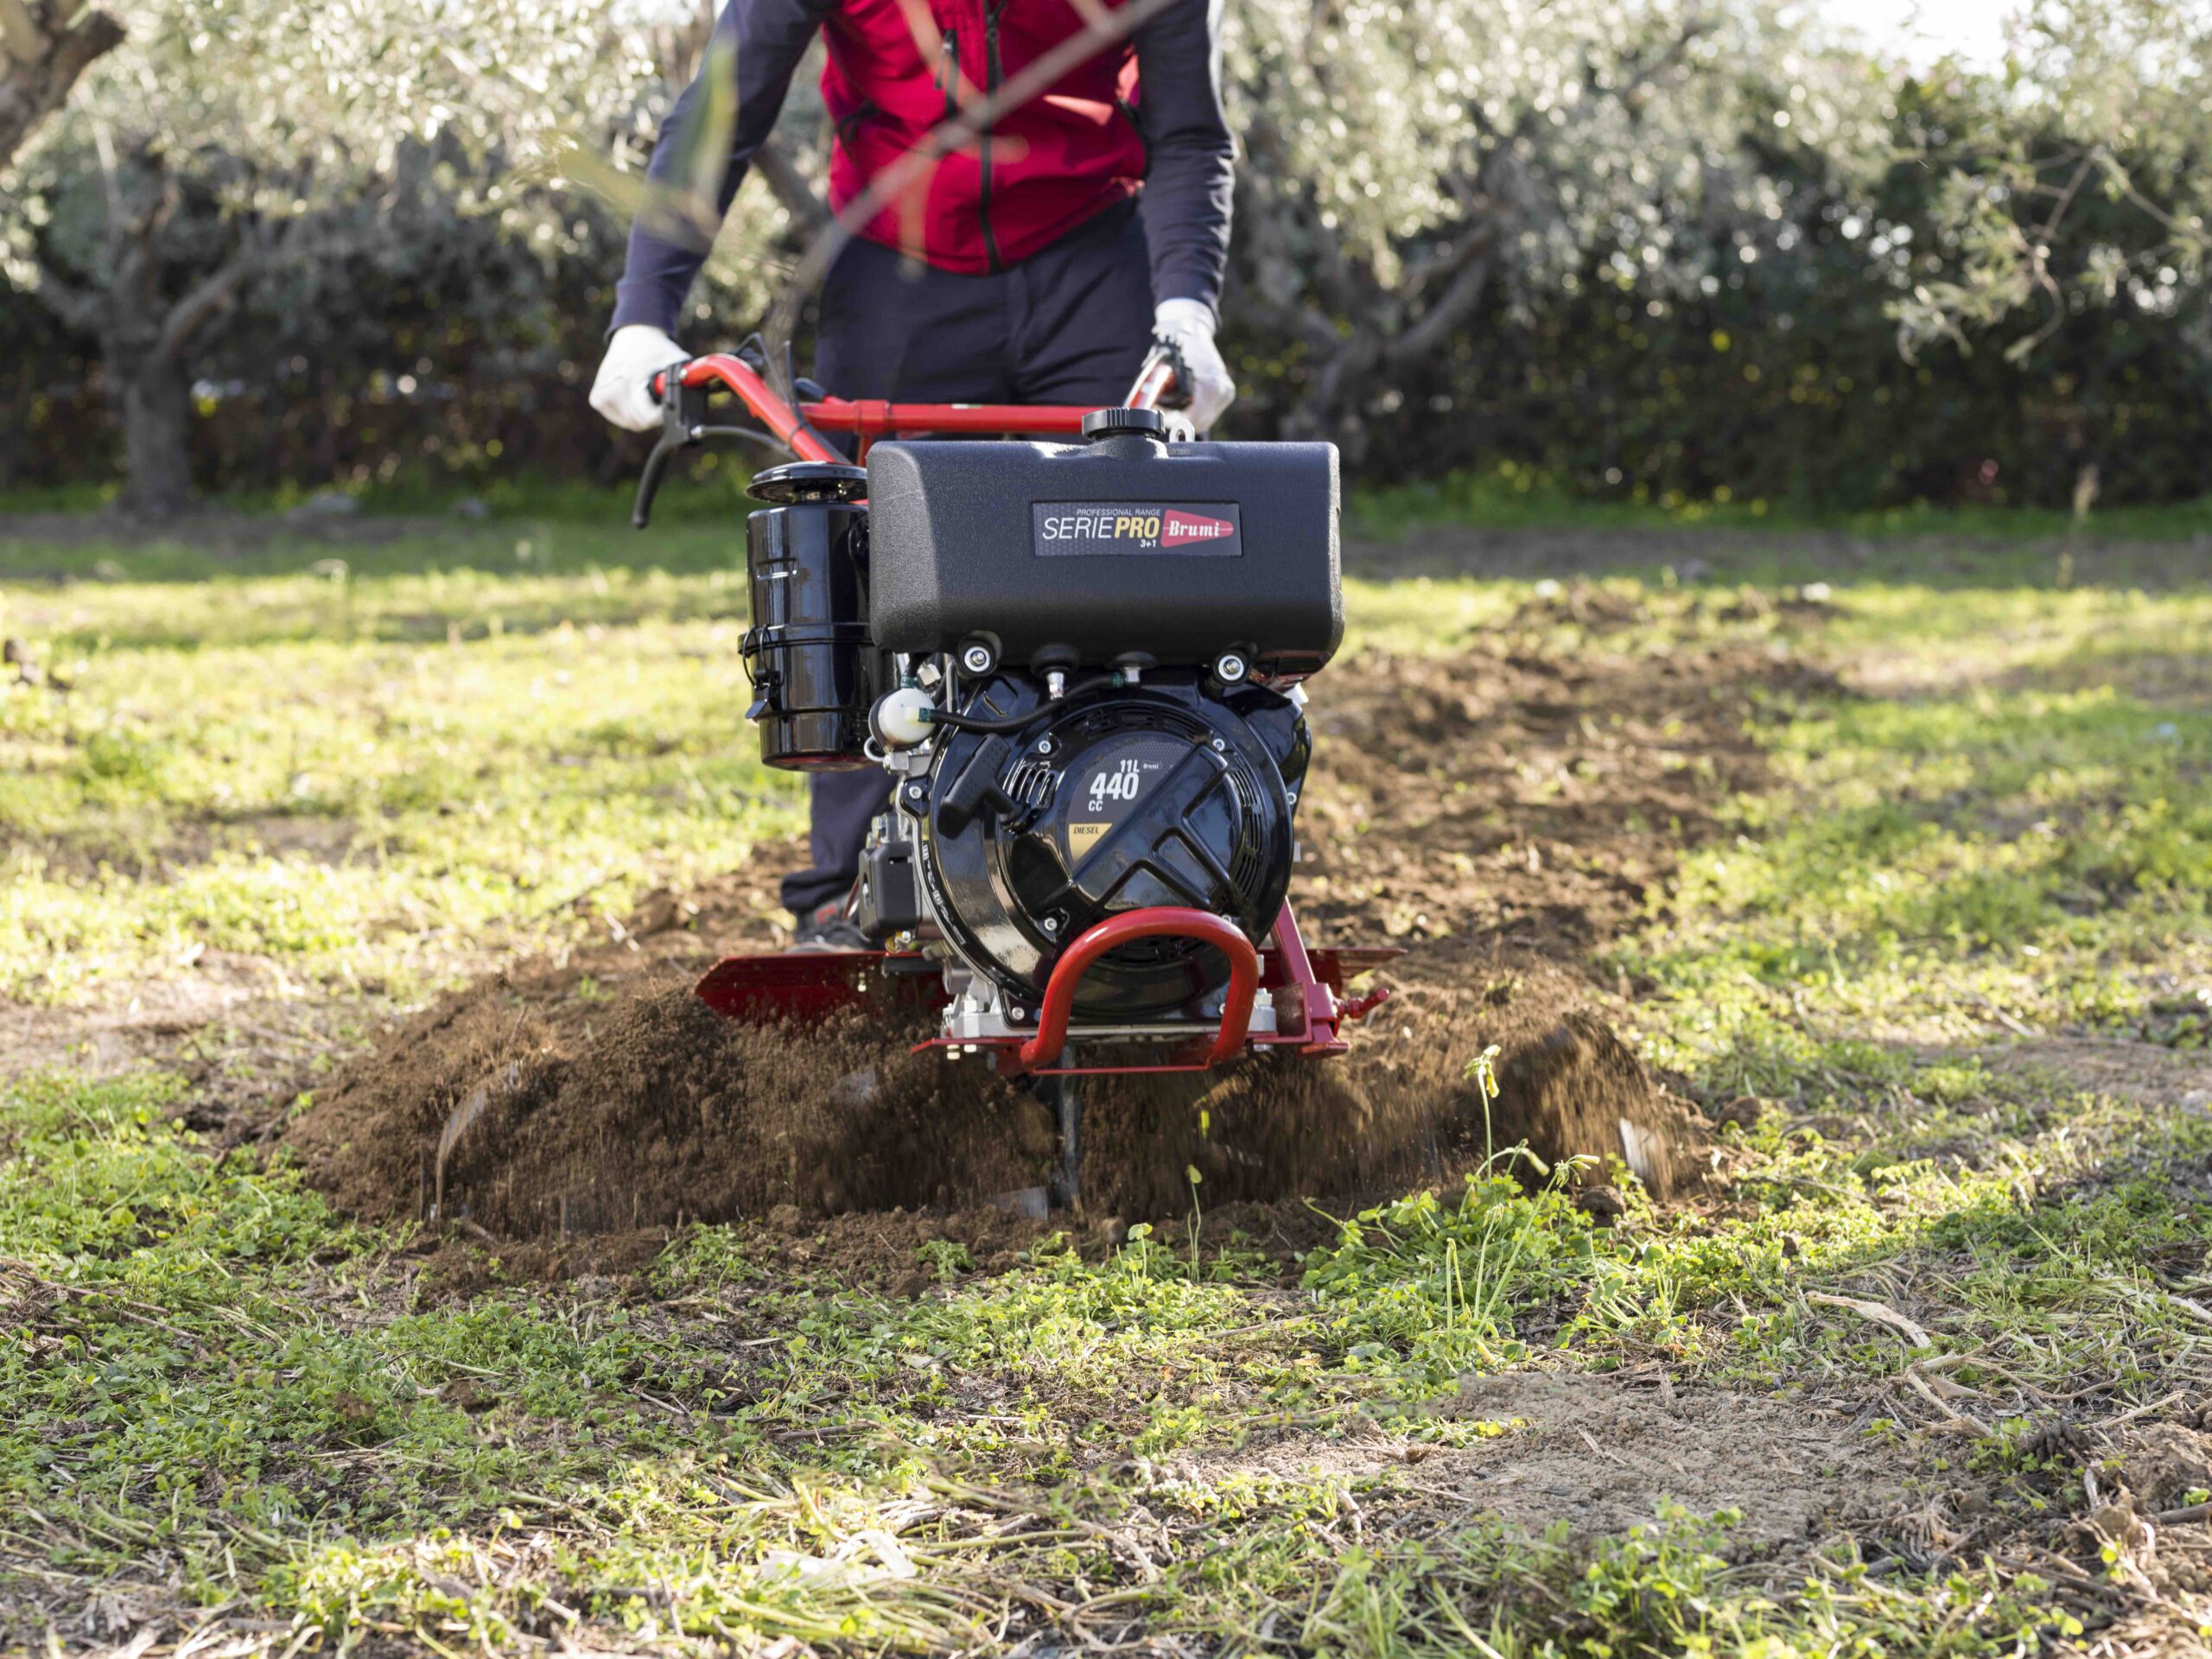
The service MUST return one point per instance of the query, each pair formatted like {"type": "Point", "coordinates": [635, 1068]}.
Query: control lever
{"type": "Point", "coordinates": [1159, 385]}
{"type": "Point", "coordinates": [1167, 391]}
{"type": "Point", "coordinates": [683, 423]}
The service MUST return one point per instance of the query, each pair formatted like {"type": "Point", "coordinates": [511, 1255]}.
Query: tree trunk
{"type": "Point", "coordinates": [156, 438]}
{"type": "Point", "coordinates": [42, 51]}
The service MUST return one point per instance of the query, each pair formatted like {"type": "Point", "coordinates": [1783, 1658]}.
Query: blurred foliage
{"type": "Point", "coordinates": [236, 156]}
{"type": "Point", "coordinates": [1777, 377]}
{"type": "Point", "coordinates": [2082, 190]}
{"type": "Point", "coordinates": [1412, 165]}
{"type": "Point", "coordinates": [1669, 263]}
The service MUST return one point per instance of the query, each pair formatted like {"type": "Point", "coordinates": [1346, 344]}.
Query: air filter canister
{"type": "Point", "coordinates": [807, 653]}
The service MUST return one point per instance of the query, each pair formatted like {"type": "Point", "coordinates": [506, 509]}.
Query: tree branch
{"type": "Point", "coordinates": [78, 308]}
{"type": "Point", "coordinates": [790, 186]}
{"type": "Point", "coordinates": [1693, 30]}
{"type": "Point", "coordinates": [202, 303]}
{"type": "Point", "coordinates": [217, 292]}
{"type": "Point", "coordinates": [43, 51]}
{"type": "Point", "coordinates": [1460, 296]}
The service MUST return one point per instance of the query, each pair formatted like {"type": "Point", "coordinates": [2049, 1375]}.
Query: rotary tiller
{"type": "Point", "coordinates": [1077, 649]}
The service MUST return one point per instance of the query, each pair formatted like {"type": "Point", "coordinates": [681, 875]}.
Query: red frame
{"type": "Point", "coordinates": [1308, 990]}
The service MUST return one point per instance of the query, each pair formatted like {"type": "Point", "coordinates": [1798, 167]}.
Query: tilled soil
{"type": "Point", "coordinates": [1500, 814]}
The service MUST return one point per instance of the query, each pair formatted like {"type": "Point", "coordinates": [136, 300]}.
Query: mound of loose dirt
{"type": "Point", "coordinates": [1497, 815]}
{"type": "Point", "coordinates": [520, 1108]}
{"type": "Point", "coordinates": [1403, 1109]}
{"type": "Point", "coordinates": [528, 1111]}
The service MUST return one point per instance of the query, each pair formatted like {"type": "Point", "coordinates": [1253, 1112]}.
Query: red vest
{"type": "Point", "coordinates": [1041, 169]}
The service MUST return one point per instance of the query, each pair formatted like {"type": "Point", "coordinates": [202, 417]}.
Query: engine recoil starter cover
{"type": "Point", "coordinates": [1169, 793]}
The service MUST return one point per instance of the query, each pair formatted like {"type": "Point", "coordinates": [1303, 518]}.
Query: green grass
{"type": "Point", "coordinates": [374, 782]}
{"type": "Point", "coordinates": [223, 1403]}
{"type": "Point", "coordinates": [213, 1368]}
{"type": "Point", "coordinates": [1506, 496]}
{"type": "Point", "coordinates": [1511, 496]}
{"type": "Point", "coordinates": [713, 488]}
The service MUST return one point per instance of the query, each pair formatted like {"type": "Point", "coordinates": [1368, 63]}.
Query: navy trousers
{"type": "Point", "coordinates": [1070, 324]}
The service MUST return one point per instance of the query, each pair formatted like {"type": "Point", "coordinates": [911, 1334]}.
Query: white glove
{"type": "Point", "coordinates": [1187, 325]}
{"type": "Point", "coordinates": [624, 390]}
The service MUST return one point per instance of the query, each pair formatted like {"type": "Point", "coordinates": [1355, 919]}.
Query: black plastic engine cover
{"type": "Point", "coordinates": [1125, 549]}
{"type": "Point", "coordinates": [1162, 794]}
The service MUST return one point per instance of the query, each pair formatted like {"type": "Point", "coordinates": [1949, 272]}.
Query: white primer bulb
{"type": "Point", "coordinates": [902, 719]}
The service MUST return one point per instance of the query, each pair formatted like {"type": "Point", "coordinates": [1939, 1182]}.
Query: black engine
{"type": "Point", "coordinates": [1079, 663]}
{"type": "Point", "coordinates": [1172, 791]}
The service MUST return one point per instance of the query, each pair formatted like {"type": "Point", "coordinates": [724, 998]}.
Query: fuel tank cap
{"type": "Point", "coordinates": [809, 480]}
{"type": "Point", "coordinates": [1120, 422]}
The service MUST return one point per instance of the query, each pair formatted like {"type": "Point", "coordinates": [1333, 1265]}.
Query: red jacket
{"type": "Point", "coordinates": [897, 68]}
{"type": "Point", "coordinates": [1042, 168]}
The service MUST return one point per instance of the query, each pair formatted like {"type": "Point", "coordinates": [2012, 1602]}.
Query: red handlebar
{"type": "Point", "coordinates": [683, 423]}
{"type": "Point", "coordinates": [869, 419]}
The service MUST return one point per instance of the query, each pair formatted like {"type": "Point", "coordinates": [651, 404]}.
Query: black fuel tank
{"type": "Point", "coordinates": [1123, 548]}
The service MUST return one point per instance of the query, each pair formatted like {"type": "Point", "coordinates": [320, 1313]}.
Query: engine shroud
{"type": "Point", "coordinates": [1167, 793]}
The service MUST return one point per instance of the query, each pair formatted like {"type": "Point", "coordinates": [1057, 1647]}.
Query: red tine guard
{"type": "Point", "coordinates": [1160, 921]}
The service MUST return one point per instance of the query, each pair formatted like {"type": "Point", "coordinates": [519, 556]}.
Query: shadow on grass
{"type": "Point", "coordinates": [1688, 556]}
{"type": "Point", "coordinates": [55, 550]}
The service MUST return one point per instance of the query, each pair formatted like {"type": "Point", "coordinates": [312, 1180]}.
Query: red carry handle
{"type": "Point", "coordinates": [1159, 921]}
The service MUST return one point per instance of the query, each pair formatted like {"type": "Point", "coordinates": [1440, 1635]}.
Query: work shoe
{"type": "Point", "coordinates": [826, 927]}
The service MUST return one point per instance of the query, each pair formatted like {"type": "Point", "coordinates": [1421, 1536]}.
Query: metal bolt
{"type": "Point", "coordinates": [1044, 745]}
{"type": "Point", "coordinates": [1017, 1013]}
{"type": "Point", "coordinates": [976, 660]}
{"type": "Point", "coordinates": [1220, 747]}
{"type": "Point", "coordinates": [915, 793]}
{"type": "Point", "coordinates": [1230, 668]}
{"type": "Point", "coordinates": [1051, 924]}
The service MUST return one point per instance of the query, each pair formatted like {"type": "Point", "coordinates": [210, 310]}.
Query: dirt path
{"type": "Point", "coordinates": [1605, 1452]}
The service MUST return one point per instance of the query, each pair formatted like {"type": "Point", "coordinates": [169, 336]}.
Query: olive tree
{"type": "Point", "coordinates": [2085, 184]}
{"type": "Point", "coordinates": [228, 142]}
{"type": "Point", "coordinates": [1408, 161]}
{"type": "Point", "coordinates": [45, 45]}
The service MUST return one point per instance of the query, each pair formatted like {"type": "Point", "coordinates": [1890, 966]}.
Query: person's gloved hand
{"type": "Point", "coordinates": [623, 391]}
{"type": "Point", "coordinates": [1187, 325]}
